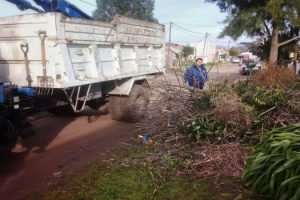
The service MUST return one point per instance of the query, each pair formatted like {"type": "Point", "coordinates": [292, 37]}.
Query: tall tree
{"type": "Point", "coordinates": [234, 51]}
{"type": "Point", "coordinates": [272, 19]}
{"type": "Point", "coordinates": [139, 9]}
{"type": "Point", "coordinates": [187, 51]}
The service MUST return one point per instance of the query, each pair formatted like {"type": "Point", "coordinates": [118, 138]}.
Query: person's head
{"type": "Point", "coordinates": [198, 62]}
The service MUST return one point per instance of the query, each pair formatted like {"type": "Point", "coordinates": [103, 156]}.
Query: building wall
{"type": "Point", "coordinates": [208, 53]}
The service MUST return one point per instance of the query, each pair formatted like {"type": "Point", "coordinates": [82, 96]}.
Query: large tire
{"type": "Point", "coordinates": [7, 131]}
{"type": "Point", "coordinates": [130, 108]}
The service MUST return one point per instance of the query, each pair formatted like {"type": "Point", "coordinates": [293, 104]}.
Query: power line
{"type": "Point", "coordinates": [209, 36]}
{"type": "Point", "coordinates": [194, 32]}
{"type": "Point", "coordinates": [189, 30]}
{"type": "Point", "coordinates": [186, 32]}
{"type": "Point", "coordinates": [199, 25]}
{"type": "Point", "coordinates": [217, 40]}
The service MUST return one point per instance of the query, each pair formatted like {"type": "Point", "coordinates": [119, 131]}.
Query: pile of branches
{"type": "Point", "coordinates": [273, 107]}
{"type": "Point", "coordinates": [219, 160]}
{"type": "Point", "coordinates": [170, 106]}
{"type": "Point", "coordinates": [206, 160]}
{"type": "Point", "coordinates": [241, 110]}
{"type": "Point", "coordinates": [230, 109]}
{"type": "Point", "coordinates": [173, 105]}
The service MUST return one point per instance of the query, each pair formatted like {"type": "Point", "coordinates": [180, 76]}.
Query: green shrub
{"type": "Point", "coordinates": [219, 88]}
{"type": "Point", "coordinates": [259, 96]}
{"type": "Point", "coordinates": [204, 128]}
{"type": "Point", "coordinates": [241, 87]}
{"type": "Point", "coordinates": [273, 170]}
{"type": "Point", "coordinates": [263, 98]}
{"type": "Point", "coordinates": [203, 101]}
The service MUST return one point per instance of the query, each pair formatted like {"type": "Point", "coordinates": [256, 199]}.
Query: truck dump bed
{"type": "Point", "coordinates": [65, 52]}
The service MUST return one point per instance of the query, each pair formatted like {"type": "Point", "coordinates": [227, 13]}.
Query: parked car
{"type": "Point", "coordinates": [247, 67]}
{"type": "Point", "coordinates": [235, 60]}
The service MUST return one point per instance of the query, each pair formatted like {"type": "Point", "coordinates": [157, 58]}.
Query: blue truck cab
{"type": "Point", "coordinates": [14, 102]}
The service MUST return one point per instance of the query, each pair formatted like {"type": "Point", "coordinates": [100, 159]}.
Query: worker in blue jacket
{"type": "Point", "coordinates": [196, 75]}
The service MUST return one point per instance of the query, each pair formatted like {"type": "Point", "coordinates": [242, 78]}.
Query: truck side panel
{"type": "Point", "coordinates": [77, 51]}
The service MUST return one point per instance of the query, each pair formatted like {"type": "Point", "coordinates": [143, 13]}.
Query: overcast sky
{"type": "Point", "coordinates": [191, 18]}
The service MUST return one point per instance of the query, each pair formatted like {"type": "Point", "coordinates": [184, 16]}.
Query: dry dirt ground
{"type": "Point", "coordinates": [60, 143]}
{"type": "Point", "coordinates": [63, 143]}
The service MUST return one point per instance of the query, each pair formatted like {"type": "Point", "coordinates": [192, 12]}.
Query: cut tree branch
{"type": "Point", "coordinates": [288, 41]}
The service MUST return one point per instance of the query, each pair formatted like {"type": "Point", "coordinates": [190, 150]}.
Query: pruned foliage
{"type": "Point", "coordinates": [273, 170]}
{"type": "Point", "coordinates": [272, 107]}
{"type": "Point", "coordinates": [274, 77]}
{"type": "Point", "coordinates": [230, 109]}
{"type": "Point", "coordinates": [207, 127]}
{"type": "Point", "coordinates": [203, 131]}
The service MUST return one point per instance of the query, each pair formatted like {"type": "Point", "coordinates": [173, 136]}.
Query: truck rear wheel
{"type": "Point", "coordinates": [130, 108]}
{"type": "Point", "coordinates": [7, 131]}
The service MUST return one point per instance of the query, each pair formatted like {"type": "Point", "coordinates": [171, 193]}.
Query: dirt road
{"type": "Point", "coordinates": [217, 74]}
{"type": "Point", "coordinates": [220, 72]}
{"type": "Point", "coordinates": [60, 144]}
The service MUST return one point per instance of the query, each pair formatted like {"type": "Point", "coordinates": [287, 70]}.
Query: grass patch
{"type": "Point", "coordinates": [112, 179]}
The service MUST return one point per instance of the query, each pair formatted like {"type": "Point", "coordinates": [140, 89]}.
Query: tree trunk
{"type": "Point", "coordinates": [274, 46]}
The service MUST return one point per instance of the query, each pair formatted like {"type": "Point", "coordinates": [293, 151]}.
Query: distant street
{"type": "Point", "coordinates": [219, 73]}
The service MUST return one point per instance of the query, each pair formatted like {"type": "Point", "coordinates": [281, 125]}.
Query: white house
{"type": "Point", "coordinates": [249, 56]}
{"type": "Point", "coordinates": [222, 55]}
{"type": "Point", "coordinates": [206, 50]}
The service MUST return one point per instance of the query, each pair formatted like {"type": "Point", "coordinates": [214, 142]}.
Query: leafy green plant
{"type": "Point", "coordinates": [203, 102]}
{"type": "Point", "coordinates": [204, 128]}
{"type": "Point", "coordinates": [240, 87]}
{"type": "Point", "coordinates": [171, 163]}
{"type": "Point", "coordinates": [273, 169]}
{"type": "Point", "coordinates": [264, 98]}
{"type": "Point", "coordinates": [259, 96]}
{"type": "Point", "coordinates": [205, 99]}
{"type": "Point", "coordinates": [218, 89]}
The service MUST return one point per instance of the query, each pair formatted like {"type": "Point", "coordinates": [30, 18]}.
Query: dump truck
{"type": "Point", "coordinates": [70, 63]}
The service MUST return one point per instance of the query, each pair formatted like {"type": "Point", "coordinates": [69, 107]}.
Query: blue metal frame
{"type": "Point", "coordinates": [3, 85]}
{"type": "Point", "coordinates": [1, 93]}
{"type": "Point", "coordinates": [24, 5]}
{"type": "Point", "coordinates": [62, 6]}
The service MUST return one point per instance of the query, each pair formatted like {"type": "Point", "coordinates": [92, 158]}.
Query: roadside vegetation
{"type": "Point", "coordinates": [232, 141]}
{"type": "Point", "coordinates": [125, 176]}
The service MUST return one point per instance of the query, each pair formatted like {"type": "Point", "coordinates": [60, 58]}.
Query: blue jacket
{"type": "Point", "coordinates": [197, 74]}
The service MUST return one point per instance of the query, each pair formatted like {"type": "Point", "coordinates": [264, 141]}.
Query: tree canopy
{"type": "Point", "coordinates": [139, 9]}
{"type": "Point", "coordinates": [234, 51]}
{"type": "Point", "coordinates": [277, 21]}
{"type": "Point", "coordinates": [187, 51]}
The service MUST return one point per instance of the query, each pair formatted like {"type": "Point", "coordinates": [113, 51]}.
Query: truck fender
{"type": "Point", "coordinates": [124, 86]}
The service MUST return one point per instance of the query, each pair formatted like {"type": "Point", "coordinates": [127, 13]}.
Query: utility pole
{"type": "Point", "coordinates": [169, 50]}
{"type": "Point", "coordinates": [228, 45]}
{"type": "Point", "coordinates": [204, 46]}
